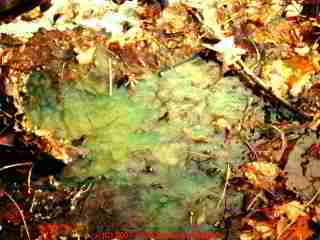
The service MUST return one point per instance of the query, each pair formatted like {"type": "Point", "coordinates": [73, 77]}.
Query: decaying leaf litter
{"type": "Point", "coordinates": [153, 117]}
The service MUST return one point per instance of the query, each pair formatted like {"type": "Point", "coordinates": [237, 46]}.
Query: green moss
{"type": "Point", "coordinates": [113, 125]}
{"type": "Point", "coordinates": [118, 125]}
{"type": "Point", "coordinates": [166, 126]}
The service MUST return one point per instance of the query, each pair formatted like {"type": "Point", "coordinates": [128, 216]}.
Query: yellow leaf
{"type": "Point", "coordinates": [293, 210]}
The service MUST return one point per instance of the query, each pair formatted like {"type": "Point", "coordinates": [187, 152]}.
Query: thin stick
{"type": "Point", "coordinates": [110, 77]}
{"type": "Point", "coordinates": [286, 228]}
{"type": "Point", "coordinates": [313, 198]}
{"type": "Point", "coordinates": [15, 165]}
{"type": "Point", "coordinates": [254, 200]}
{"type": "Point", "coordinates": [246, 72]}
{"type": "Point", "coordinates": [305, 206]}
{"type": "Point", "coordinates": [29, 179]}
{"type": "Point", "coordinates": [20, 212]}
{"type": "Point", "coordinates": [284, 142]}
{"type": "Point", "coordinates": [225, 185]}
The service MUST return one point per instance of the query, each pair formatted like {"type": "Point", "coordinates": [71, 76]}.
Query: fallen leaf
{"type": "Point", "coordinates": [293, 210]}
{"type": "Point", "coordinates": [300, 230]}
{"type": "Point", "coordinates": [86, 56]}
{"type": "Point", "coordinates": [227, 47]}
{"type": "Point", "coordinates": [261, 174]}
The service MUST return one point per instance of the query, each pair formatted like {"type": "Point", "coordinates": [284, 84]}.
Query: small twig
{"type": "Point", "coordinates": [110, 77]}
{"type": "Point", "coordinates": [241, 126]}
{"type": "Point", "coordinates": [78, 195]}
{"type": "Point", "coordinates": [247, 73]}
{"type": "Point", "coordinates": [20, 212]}
{"type": "Point", "coordinates": [29, 180]}
{"type": "Point", "coordinates": [191, 214]}
{"type": "Point", "coordinates": [305, 206]}
{"type": "Point", "coordinates": [284, 143]}
{"type": "Point", "coordinates": [251, 148]}
{"type": "Point", "coordinates": [286, 228]}
{"type": "Point", "coordinates": [313, 198]}
{"type": "Point", "coordinates": [8, 115]}
{"type": "Point", "coordinates": [292, 222]}
{"type": "Point", "coordinates": [254, 200]}
{"type": "Point", "coordinates": [257, 52]}
{"type": "Point", "coordinates": [15, 165]}
{"type": "Point", "coordinates": [228, 174]}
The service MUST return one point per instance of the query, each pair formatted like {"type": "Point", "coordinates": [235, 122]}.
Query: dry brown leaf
{"type": "Point", "coordinates": [261, 174]}
{"type": "Point", "coordinates": [300, 230]}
